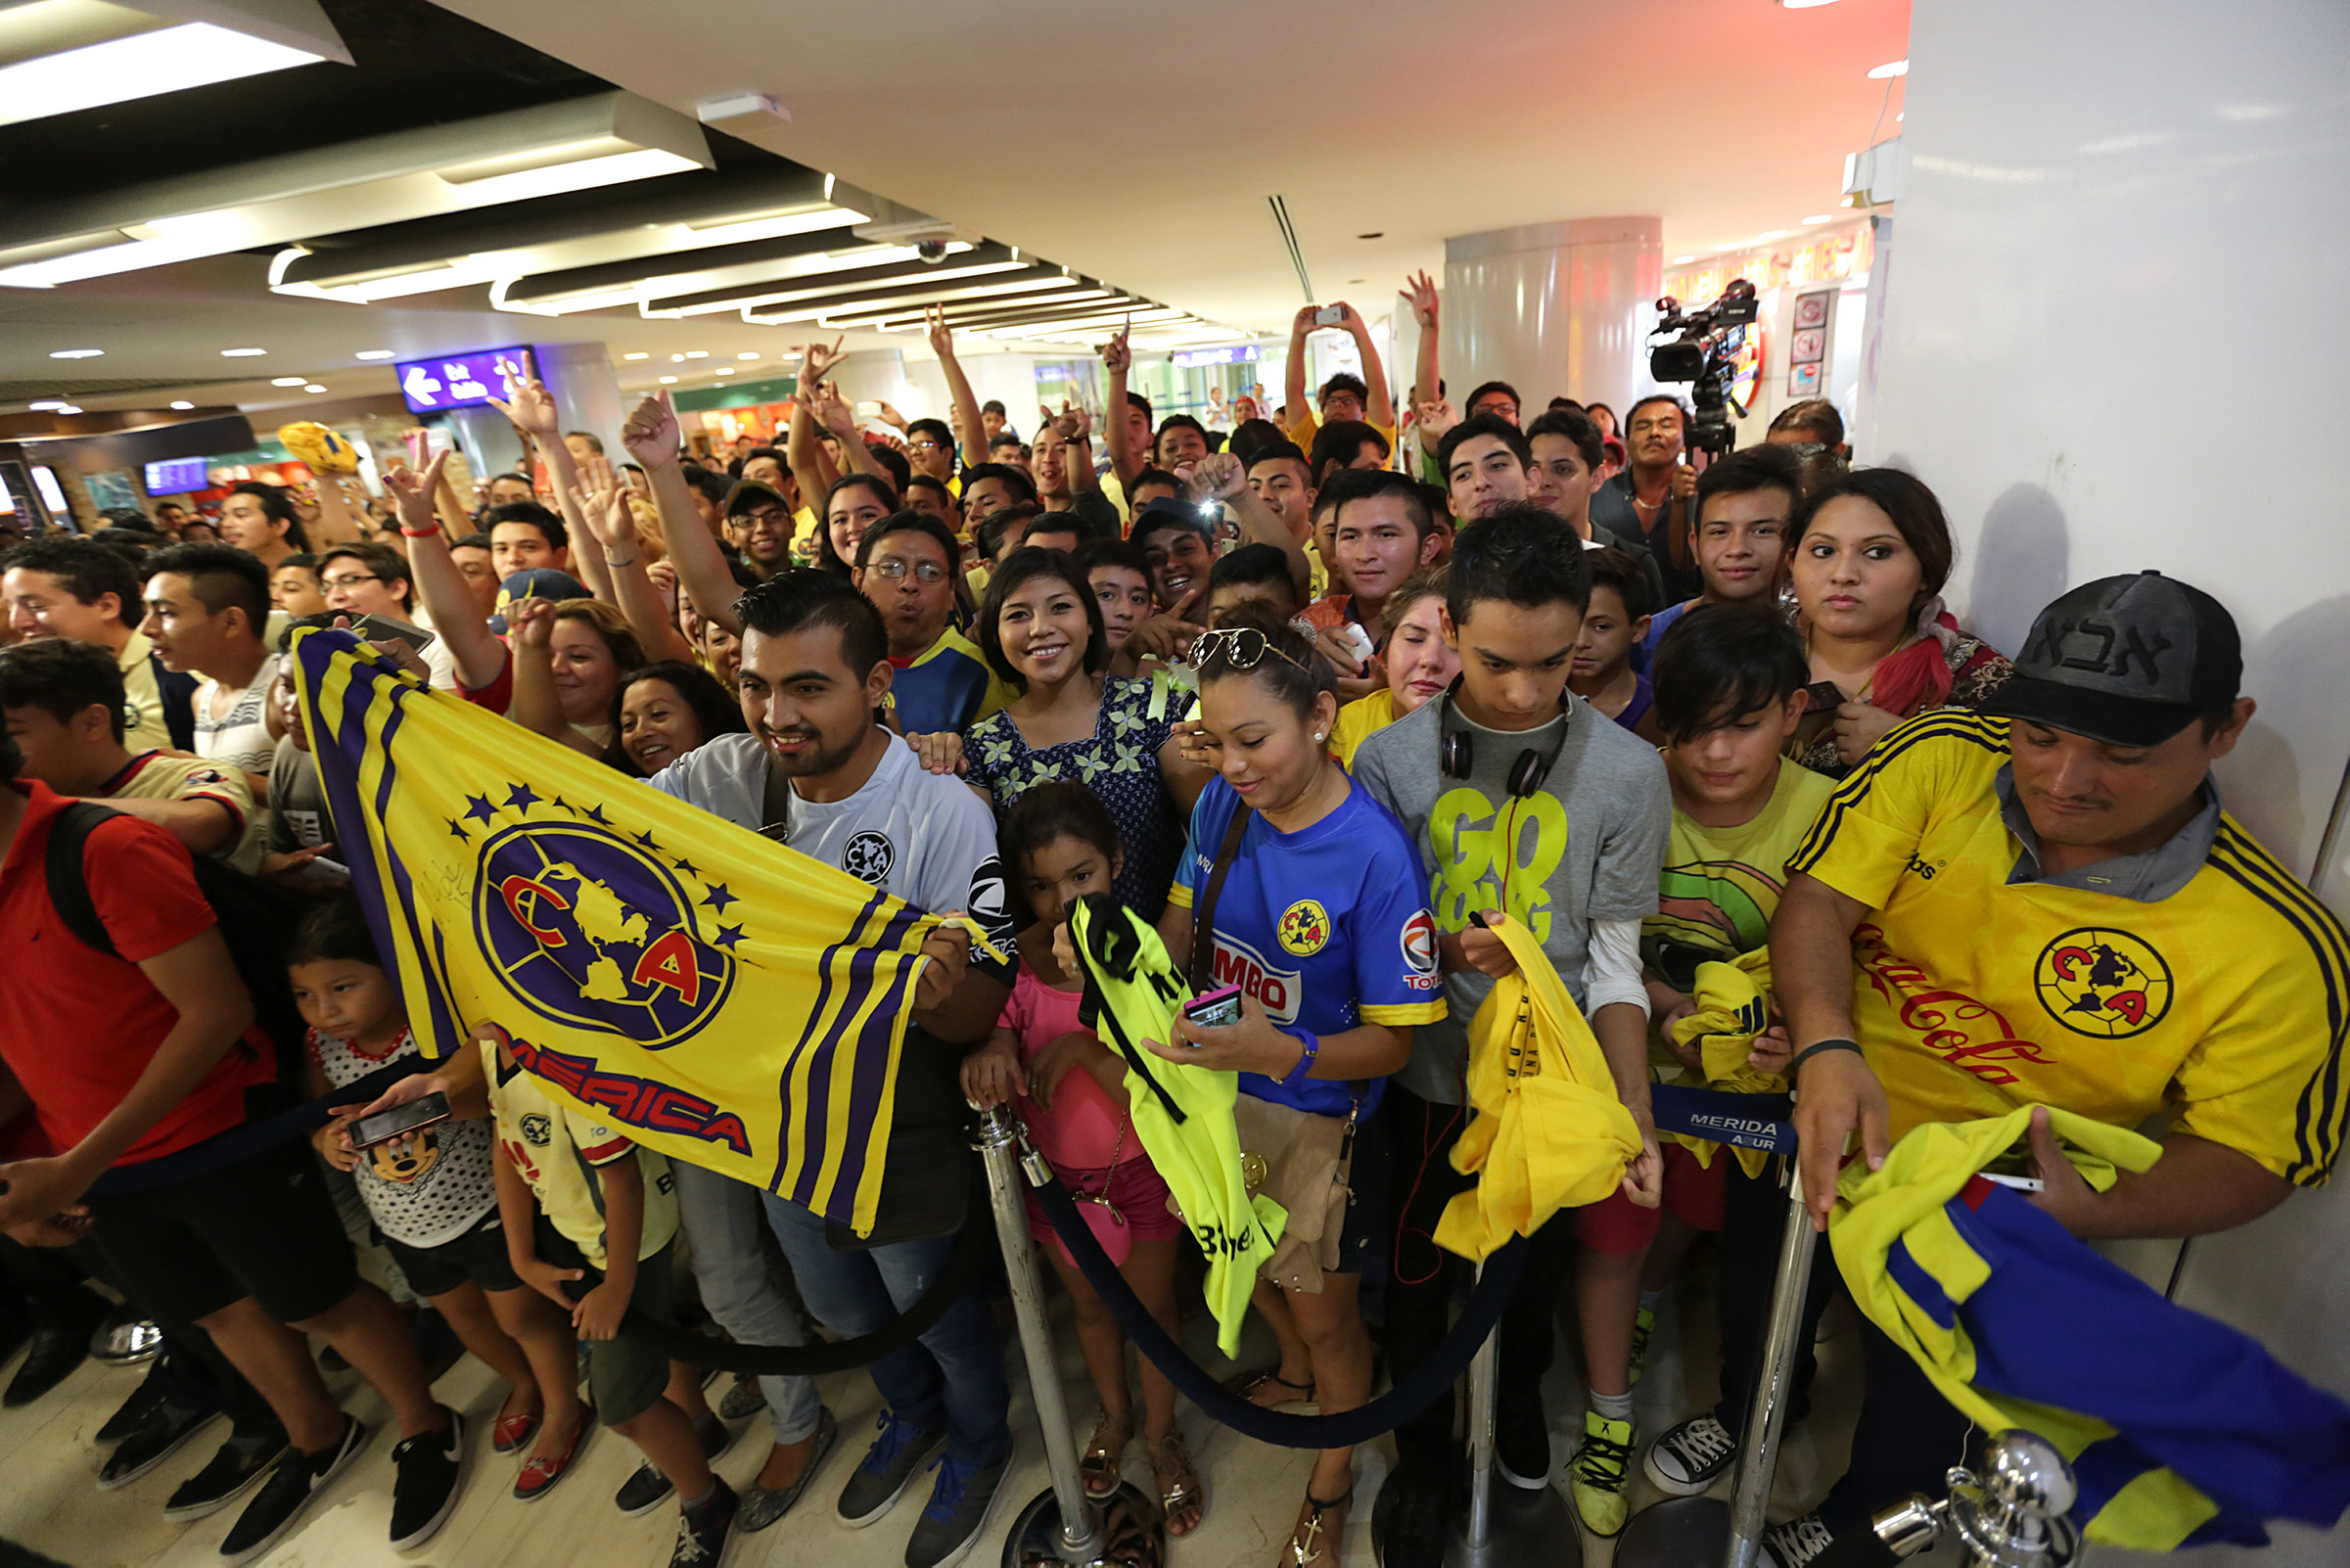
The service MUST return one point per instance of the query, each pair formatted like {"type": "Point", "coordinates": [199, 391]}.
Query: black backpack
{"type": "Point", "coordinates": [256, 921]}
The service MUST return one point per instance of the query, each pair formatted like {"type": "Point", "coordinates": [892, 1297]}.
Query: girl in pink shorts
{"type": "Point", "coordinates": [1060, 844]}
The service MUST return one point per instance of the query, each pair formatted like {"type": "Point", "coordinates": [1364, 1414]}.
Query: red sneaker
{"type": "Point", "coordinates": [539, 1474]}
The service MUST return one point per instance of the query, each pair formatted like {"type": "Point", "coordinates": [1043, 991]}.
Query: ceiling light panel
{"type": "Point", "coordinates": [60, 56]}
{"type": "Point", "coordinates": [569, 146]}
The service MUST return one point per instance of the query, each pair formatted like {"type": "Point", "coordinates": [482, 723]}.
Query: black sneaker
{"type": "Point", "coordinates": [1794, 1543]}
{"type": "Point", "coordinates": [1415, 1523]}
{"type": "Point", "coordinates": [705, 1533]}
{"type": "Point", "coordinates": [643, 1492]}
{"type": "Point", "coordinates": [48, 1361]}
{"type": "Point", "coordinates": [135, 1412]}
{"type": "Point", "coordinates": [959, 1511]}
{"type": "Point", "coordinates": [296, 1479]}
{"type": "Point", "coordinates": [1522, 1444]}
{"type": "Point", "coordinates": [167, 1430]}
{"type": "Point", "coordinates": [430, 1466]}
{"type": "Point", "coordinates": [1689, 1458]}
{"type": "Point", "coordinates": [223, 1480]}
{"type": "Point", "coordinates": [888, 1465]}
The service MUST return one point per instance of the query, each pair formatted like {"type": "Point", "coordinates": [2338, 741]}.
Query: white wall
{"type": "Point", "coordinates": [2113, 342]}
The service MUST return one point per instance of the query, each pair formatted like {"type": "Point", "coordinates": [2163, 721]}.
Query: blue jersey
{"type": "Point", "coordinates": [946, 687]}
{"type": "Point", "coordinates": [1327, 928]}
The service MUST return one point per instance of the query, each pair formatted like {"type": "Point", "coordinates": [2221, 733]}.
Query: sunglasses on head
{"type": "Point", "coordinates": [1240, 647]}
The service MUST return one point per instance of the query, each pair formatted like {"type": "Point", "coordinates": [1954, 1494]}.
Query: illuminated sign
{"type": "Point", "coordinates": [176, 478]}
{"type": "Point", "coordinates": [461, 381]}
{"type": "Point", "coordinates": [1240, 354]}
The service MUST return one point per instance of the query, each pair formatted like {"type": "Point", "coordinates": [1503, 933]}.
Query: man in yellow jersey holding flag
{"type": "Point", "coordinates": [2051, 908]}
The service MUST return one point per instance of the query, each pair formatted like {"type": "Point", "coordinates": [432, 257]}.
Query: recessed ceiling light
{"type": "Point", "coordinates": [746, 356]}
{"type": "Point", "coordinates": [48, 405]}
{"type": "Point", "coordinates": [697, 353]}
{"type": "Point", "coordinates": [1682, 260]}
{"type": "Point", "coordinates": [373, 354]}
{"type": "Point", "coordinates": [636, 357]}
{"type": "Point", "coordinates": [668, 381]}
{"type": "Point", "coordinates": [676, 359]}
{"type": "Point", "coordinates": [287, 381]}
{"type": "Point", "coordinates": [1892, 67]}
{"type": "Point", "coordinates": [1821, 217]}
{"type": "Point", "coordinates": [183, 404]}
{"type": "Point", "coordinates": [76, 353]}
{"type": "Point", "coordinates": [725, 370]}
{"type": "Point", "coordinates": [67, 408]}
{"type": "Point", "coordinates": [313, 388]}
{"type": "Point", "coordinates": [1771, 234]}
{"type": "Point", "coordinates": [242, 354]}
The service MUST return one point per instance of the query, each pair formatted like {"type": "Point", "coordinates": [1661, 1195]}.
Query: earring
{"type": "Point", "coordinates": [1317, 735]}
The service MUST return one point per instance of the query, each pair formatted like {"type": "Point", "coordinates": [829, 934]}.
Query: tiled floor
{"type": "Point", "coordinates": [49, 1501]}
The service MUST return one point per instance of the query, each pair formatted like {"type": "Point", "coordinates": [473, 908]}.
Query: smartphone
{"type": "Point", "coordinates": [1217, 1009]}
{"type": "Point", "coordinates": [381, 628]}
{"type": "Point", "coordinates": [1330, 317]}
{"type": "Point", "coordinates": [868, 410]}
{"type": "Point", "coordinates": [385, 1126]}
{"type": "Point", "coordinates": [1822, 699]}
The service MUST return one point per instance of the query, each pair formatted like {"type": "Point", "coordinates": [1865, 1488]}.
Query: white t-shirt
{"type": "Point", "coordinates": [921, 836]}
{"type": "Point", "coordinates": [240, 734]}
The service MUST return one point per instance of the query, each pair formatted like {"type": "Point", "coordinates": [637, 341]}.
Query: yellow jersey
{"type": "Point", "coordinates": [1361, 719]}
{"type": "Point", "coordinates": [558, 1150]}
{"type": "Point", "coordinates": [162, 776]}
{"type": "Point", "coordinates": [2224, 1002]}
{"type": "Point", "coordinates": [1720, 885]}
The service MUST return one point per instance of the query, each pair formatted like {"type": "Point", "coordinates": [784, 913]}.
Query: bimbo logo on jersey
{"type": "Point", "coordinates": [1277, 991]}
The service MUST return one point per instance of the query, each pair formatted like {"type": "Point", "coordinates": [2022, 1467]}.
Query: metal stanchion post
{"type": "Point", "coordinates": [1062, 1527]}
{"type": "Point", "coordinates": [1513, 1526]}
{"type": "Point", "coordinates": [1697, 1532]}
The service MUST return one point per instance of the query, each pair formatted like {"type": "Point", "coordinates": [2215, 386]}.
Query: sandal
{"type": "Point", "coordinates": [1101, 1467]}
{"type": "Point", "coordinates": [1178, 1483]}
{"type": "Point", "coordinates": [1250, 1385]}
{"type": "Point", "coordinates": [1314, 1534]}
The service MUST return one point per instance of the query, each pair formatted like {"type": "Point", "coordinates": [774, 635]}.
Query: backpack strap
{"type": "Point", "coordinates": [68, 890]}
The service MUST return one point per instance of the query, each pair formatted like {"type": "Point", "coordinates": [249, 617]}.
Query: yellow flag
{"type": "Point", "coordinates": [732, 1001]}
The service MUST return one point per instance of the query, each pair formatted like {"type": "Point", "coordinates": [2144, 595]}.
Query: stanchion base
{"type": "Point", "coordinates": [1132, 1534]}
{"type": "Point", "coordinates": [1528, 1529]}
{"type": "Point", "coordinates": [1676, 1533]}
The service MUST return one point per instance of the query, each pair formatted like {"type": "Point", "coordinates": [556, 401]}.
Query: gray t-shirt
{"type": "Point", "coordinates": [921, 836]}
{"type": "Point", "coordinates": [1588, 845]}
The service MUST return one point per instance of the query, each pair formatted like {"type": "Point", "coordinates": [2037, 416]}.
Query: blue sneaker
{"type": "Point", "coordinates": [957, 1513]}
{"type": "Point", "coordinates": [888, 1465]}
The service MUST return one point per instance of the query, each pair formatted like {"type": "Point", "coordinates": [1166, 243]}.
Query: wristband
{"type": "Point", "coordinates": [1815, 1048]}
{"type": "Point", "coordinates": [609, 562]}
{"type": "Point", "coordinates": [1298, 1074]}
{"type": "Point", "coordinates": [416, 533]}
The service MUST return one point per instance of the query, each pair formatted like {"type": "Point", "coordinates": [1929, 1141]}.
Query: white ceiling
{"type": "Point", "coordinates": [1132, 143]}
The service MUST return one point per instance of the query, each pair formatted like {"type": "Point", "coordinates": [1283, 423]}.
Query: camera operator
{"type": "Point", "coordinates": [1650, 499]}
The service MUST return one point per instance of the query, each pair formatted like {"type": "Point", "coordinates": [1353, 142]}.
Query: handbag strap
{"type": "Point", "coordinates": [1203, 915]}
{"type": "Point", "coordinates": [775, 804]}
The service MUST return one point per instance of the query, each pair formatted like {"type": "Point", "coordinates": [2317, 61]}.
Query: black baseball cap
{"type": "Point", "coordinates": [2128, 661]}
{"type": "Point", "coordinates": [1165, 512]}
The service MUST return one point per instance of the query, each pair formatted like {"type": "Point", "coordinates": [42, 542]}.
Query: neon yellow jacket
{"type": "Point", "coordinates": [1733, 1006]}
{"type": "Point", "coordinates": [1182, 1114]}
{"type": "Point", "coordinates": [1547, 1131]}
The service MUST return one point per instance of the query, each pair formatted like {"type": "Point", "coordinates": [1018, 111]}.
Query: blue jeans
{"type": "Point", "coordinates": [953, 1374]}
{"type": "Point", "coordinates": [722, 1220]}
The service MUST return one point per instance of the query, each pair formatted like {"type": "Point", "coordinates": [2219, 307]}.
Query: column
{"type": "Point", "coordinates": [1552, 308]}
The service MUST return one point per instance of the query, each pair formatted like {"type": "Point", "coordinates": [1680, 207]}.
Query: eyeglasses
{"type": "Point", "coordinates": [929, 571]}
{"type": "Point", "coordinates": [1239, 647]}
{"type": "Point", "coordinates": [925, 445]}
{"type": "Point", "coordinates": [330, 584]}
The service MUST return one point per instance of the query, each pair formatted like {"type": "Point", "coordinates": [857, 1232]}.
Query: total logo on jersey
{"type": "Point", "coordinates": [1277, 991]}
{"type": "Point", "coordinates": [1418, 941]}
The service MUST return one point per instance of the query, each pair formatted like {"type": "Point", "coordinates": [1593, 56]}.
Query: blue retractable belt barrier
{"type": "Point", "coordinates": [1749, 1121]}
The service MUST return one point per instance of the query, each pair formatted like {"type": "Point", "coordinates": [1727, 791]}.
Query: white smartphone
{"type": "Point", "coordinates": [1330, 317]}
{"type": "Point", "coordinates": [868, 410]}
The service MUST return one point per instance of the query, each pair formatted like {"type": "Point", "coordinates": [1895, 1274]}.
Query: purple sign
{"type": "Point", "coordinates": [460, 381]}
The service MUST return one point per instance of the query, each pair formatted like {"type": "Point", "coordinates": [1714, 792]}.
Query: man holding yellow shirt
{"type": "Point", "coordinates": [2050, 906]}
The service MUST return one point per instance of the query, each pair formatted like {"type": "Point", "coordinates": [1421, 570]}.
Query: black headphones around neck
{"type": "Point", "coordinates": [1458, 755]}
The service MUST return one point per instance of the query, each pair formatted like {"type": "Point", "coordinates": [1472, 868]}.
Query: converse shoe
{"type": "Point", "coordinates": [1691, 1457]}
{"type": "Point", "coordinates": [959, 1511]}
{"type": "Point", "coordinates": [237, 1465]}
{"type": "Point", "coordinates": [644, 1491]}
{"type": "Point", "coordinates": [706, 1530]}
{"type": "Point", "coordinates": [1600, 1471]}
{"type": "Point", "coordinates": [429, 1466]}
{"type": "Point", "coordinates": [296, 1479]}
{"type": "Point", "coordinates": [888, 1465]}
{"type": "Point", "coordinates": [1795, 1543]}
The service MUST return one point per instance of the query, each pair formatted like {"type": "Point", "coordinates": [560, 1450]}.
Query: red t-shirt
{"type": "Point", "coordinates": [80, 1036]}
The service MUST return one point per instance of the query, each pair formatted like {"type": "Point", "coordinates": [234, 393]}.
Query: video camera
{"type": "Point", "coordinates": [1705, 354]}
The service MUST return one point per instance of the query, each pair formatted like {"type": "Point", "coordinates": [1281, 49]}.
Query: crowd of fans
{"type": "Point", "coordinates": [1327, 691]}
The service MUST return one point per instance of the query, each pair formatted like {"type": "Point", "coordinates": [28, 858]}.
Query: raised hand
{"type": "Point", "coordinates": [1116, 357]}
{"type": "Point", "coordinates": [891, 417]}
{"type": "Point", "coordinates": [530, 406]}
{"type": "Point", "coordinates": [413, 493]}
{"type": "Point", "coordinates": [940, 334]}
{"type": "Point", "coordinates": [1435, 419]}
{"type": "Point", "coordinates": [1218, 476]}
{"type": "Point", "coordinates": [818, 361]}
{"type": "Point", "coordinates": [1073, 423]}
{"type": "Point", "coordinates": [651, 433]}
{"type": "Point", "coordinates": [1421, 294]}
{"type": "Point", "coordinates": [531, 622]}
{"type": "Point", "coordinates": [836, 415]}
